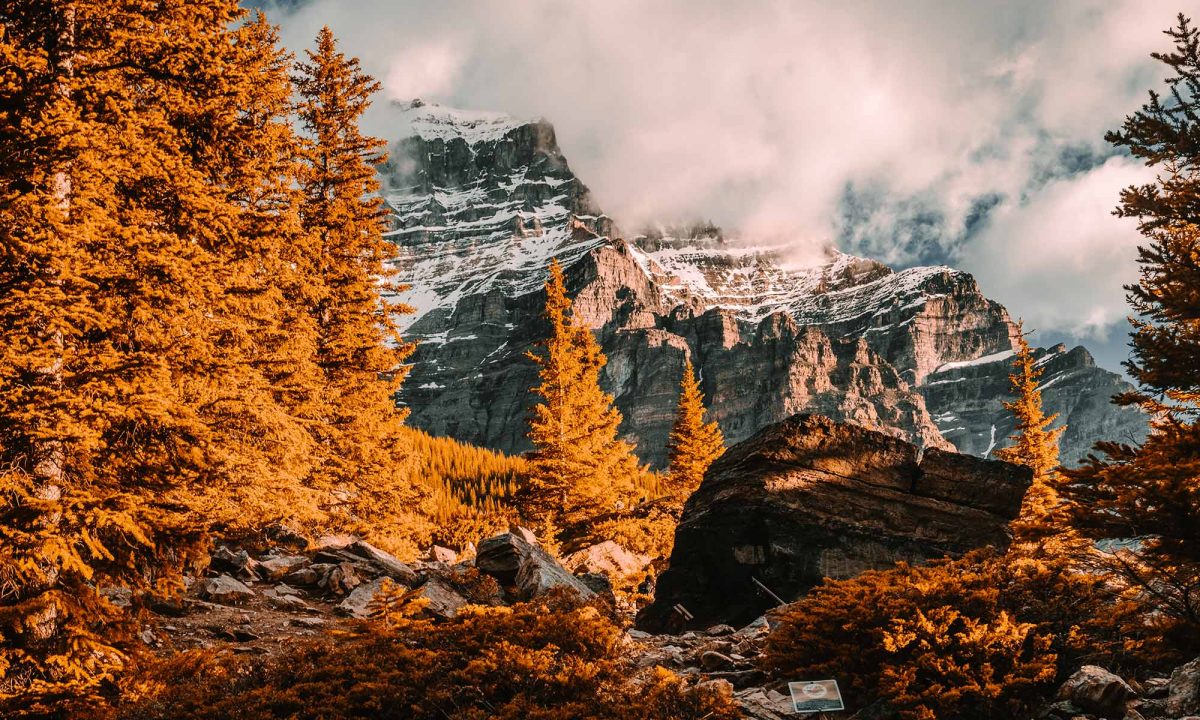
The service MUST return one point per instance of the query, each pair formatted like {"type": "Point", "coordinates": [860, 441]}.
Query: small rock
{"type": "Point", "coordinates": [500, 557]}
{"type": "Point", "coordinates": [596, 582]}
{"type": "Point", "coordinates": [122, 597]}
{"type": "Point", "coordinates": [225, 590]}
{"type": "Point", "coordinates": [1131, 714]}
{"type": "Point", "coordinates": [443, 601]}
{"type": "Point", "coordinates": [284, 535]}
{"type": "Point", "coordinates": [719, 630]}
{"type": "Point", "coordinates": [386, 562]}
{"type": "Point", "coordinates": [1183, 691]}
{"type": "Point", "coordinates": [1096, 690]}
{"type": "Point", "coordinates": [358, 603]}
{"type": "Point", "coordinates": [713, 660]}
{"type": "Point", "coordinates": [334, 542]}
{"type": "Point", "coordinates": [1156, 687]}
{"type": "Point", "coordinates": [606, 558]}
{"type": "Point", "coordinates": [757, 627]}
{"type": "Point", "coordinates": [280, 566]}
{"type": "Point", "coordinates": [307, 577]}
{"type": "Point", "coordinates": [287, 602]}
{"type": "Point", "coordinates": [308, 621]}
{"type": "Point", "coordinates": [148, 637]}
{"type": "Point", "coordinates": [340, 579]}
{"type": "Point", "coordinates": [239, 563]}
{"type": "Point", "coordinates": [513, 561]}
{"type": "Point", "coordinates": [437, 553]}
{"type": "Point", "coordinates": [640, 635]}
{"type": "Point", "coordinates": [718, 684]}
{"type": "Point", "coordinates": [762, 704]}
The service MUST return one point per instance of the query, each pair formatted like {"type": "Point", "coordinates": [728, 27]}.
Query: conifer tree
{"type": "Point", "coordinates": [579, 470]}
{"type": "Point", "coordinates": [359, 347]}
{"type": "Point", "coordinates": [693, 444]}
{"type": "Point", "coordinates": [1150, 491]}
{"type": "Point", "coordinates": [1035, 445]}
{"type": "Point", "coordinates": [132, 297]}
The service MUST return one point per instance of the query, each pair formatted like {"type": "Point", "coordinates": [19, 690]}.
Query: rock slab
{"type": "Point", "coordinates": [809, 498]}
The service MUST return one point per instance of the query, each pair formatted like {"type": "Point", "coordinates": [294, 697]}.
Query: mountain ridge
{"type": "Point", "coordinates": [479, 204]}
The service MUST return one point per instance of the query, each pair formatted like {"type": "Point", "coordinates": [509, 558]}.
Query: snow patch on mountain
{"type": "Point", "coordinates": [438, 122]}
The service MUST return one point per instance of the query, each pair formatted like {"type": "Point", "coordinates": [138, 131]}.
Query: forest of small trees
{"type": "Point", "coordinates": [196, 347]}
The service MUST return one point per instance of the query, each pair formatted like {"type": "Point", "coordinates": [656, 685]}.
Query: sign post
{"type": "Point", "coordinates": [816, 696]}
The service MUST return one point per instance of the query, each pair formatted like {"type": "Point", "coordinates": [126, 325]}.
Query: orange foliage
{"type": "Point", "coordinates": [550, 660]}
{"type": "Point", "coordinates": [983, 637]}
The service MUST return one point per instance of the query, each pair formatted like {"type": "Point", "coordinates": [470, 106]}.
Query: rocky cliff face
{"type": "Point", "coordinates": [966, 401]}
{"type": "Point", "coordinates": [807, 499]}
{"type": "Point", "coordinates": [480, 204]}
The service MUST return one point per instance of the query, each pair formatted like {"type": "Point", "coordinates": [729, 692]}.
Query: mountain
{"type": "Point", "coordinates": [481, 202]}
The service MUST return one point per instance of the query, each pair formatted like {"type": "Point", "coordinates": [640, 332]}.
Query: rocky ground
{"type": "Point", "coordinates": [262, 602]}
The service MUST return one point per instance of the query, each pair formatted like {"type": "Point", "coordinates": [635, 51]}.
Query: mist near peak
{"type": "Point", "coordinates": [918, 133]}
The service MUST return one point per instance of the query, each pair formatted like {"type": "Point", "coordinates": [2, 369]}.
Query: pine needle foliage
{"type": "Point", "coordinates": [358, 348]}
{"type": "Point", "coordinates": [693, 444]}
{"type": "Point", "coordinates": [472, 489]}
{"type": "Point", "coordinates": [138, 317]}
{"type": "Point", "coordinates": [579, 469]}
{"type": "Point", "coordinates": [1150, 492]}
{"type": "Point", "coordinates": [1034, 445]}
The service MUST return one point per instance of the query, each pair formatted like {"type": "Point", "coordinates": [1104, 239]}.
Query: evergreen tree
{"type": "Point", "coordinates": [359, 347]}
{"type": "Point", "coordinates": [134, 297]}
{"type": "Point", "coordinates": [1150, 491]}
{"type": "Point", "coordinates": [693, 444]}
{"type": "Point", "coordinates": [579, 470]}
{"type": "Point", "coordinates": [1035, 445]}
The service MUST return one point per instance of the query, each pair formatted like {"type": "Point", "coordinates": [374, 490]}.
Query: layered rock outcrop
{"type": "Point", "coordinates": [807, 499]}
{"type": "Point", "coordinates": [481, 202]}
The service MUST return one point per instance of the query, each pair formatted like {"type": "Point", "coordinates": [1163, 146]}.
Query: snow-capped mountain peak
{"type": "Point", "coordinates": [430, 121]}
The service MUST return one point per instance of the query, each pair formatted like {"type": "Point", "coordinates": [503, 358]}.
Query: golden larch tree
{"type": "Point", "coordinates": [1034, 445]}
{"type": "Point", "coordinates": [579, 469]}
{"type": "Point", "coordinates": [131, 376]}
{"type": "Point", "coordinates": [694, 444]}
{"type": "Point", "coordinates": [359, 347]}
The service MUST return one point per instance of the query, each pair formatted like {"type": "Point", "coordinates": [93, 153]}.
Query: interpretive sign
{"type": "Point", "coordinates": [816, 696]}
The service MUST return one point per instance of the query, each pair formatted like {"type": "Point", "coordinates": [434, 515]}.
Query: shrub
{"type": "Point", "coordinates": [980, 637]}
{"type": "Point", "coordinates": [546, 660]}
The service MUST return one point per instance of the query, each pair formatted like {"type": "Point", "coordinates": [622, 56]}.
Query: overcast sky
{"type": "Point", "coordinates": [969, 134]}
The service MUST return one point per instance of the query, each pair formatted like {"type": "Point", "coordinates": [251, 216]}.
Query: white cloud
{"type": "Point", "coordinates": [758, 114]}
{"type": "Point", "coordinates": [1061, 259]}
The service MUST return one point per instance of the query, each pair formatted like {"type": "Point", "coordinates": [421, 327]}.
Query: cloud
{"type": "Point", "coordinates": [1064, 250]}
{"type": "Point", "coordinates": [914, 132]}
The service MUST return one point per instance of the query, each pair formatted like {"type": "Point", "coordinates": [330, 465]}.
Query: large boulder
{"type": "Point", "coordinates": [525, 570]}
{"type": "Point", "coordinates": [809, 498]}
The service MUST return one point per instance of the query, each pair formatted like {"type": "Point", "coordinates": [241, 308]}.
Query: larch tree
{"type": "Point", "coordinates": [1034, 445]}
{"type": "Point", "coordinates": [1151, 492]}
{"type": "Point", "coordinates": [579, 469]}
{"type": "Point", "coordinates": [693, 444]}
{"type": "Point", "coordinates": [359, 347]}
{"type": "Point", "coordinates": [134, 297]}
